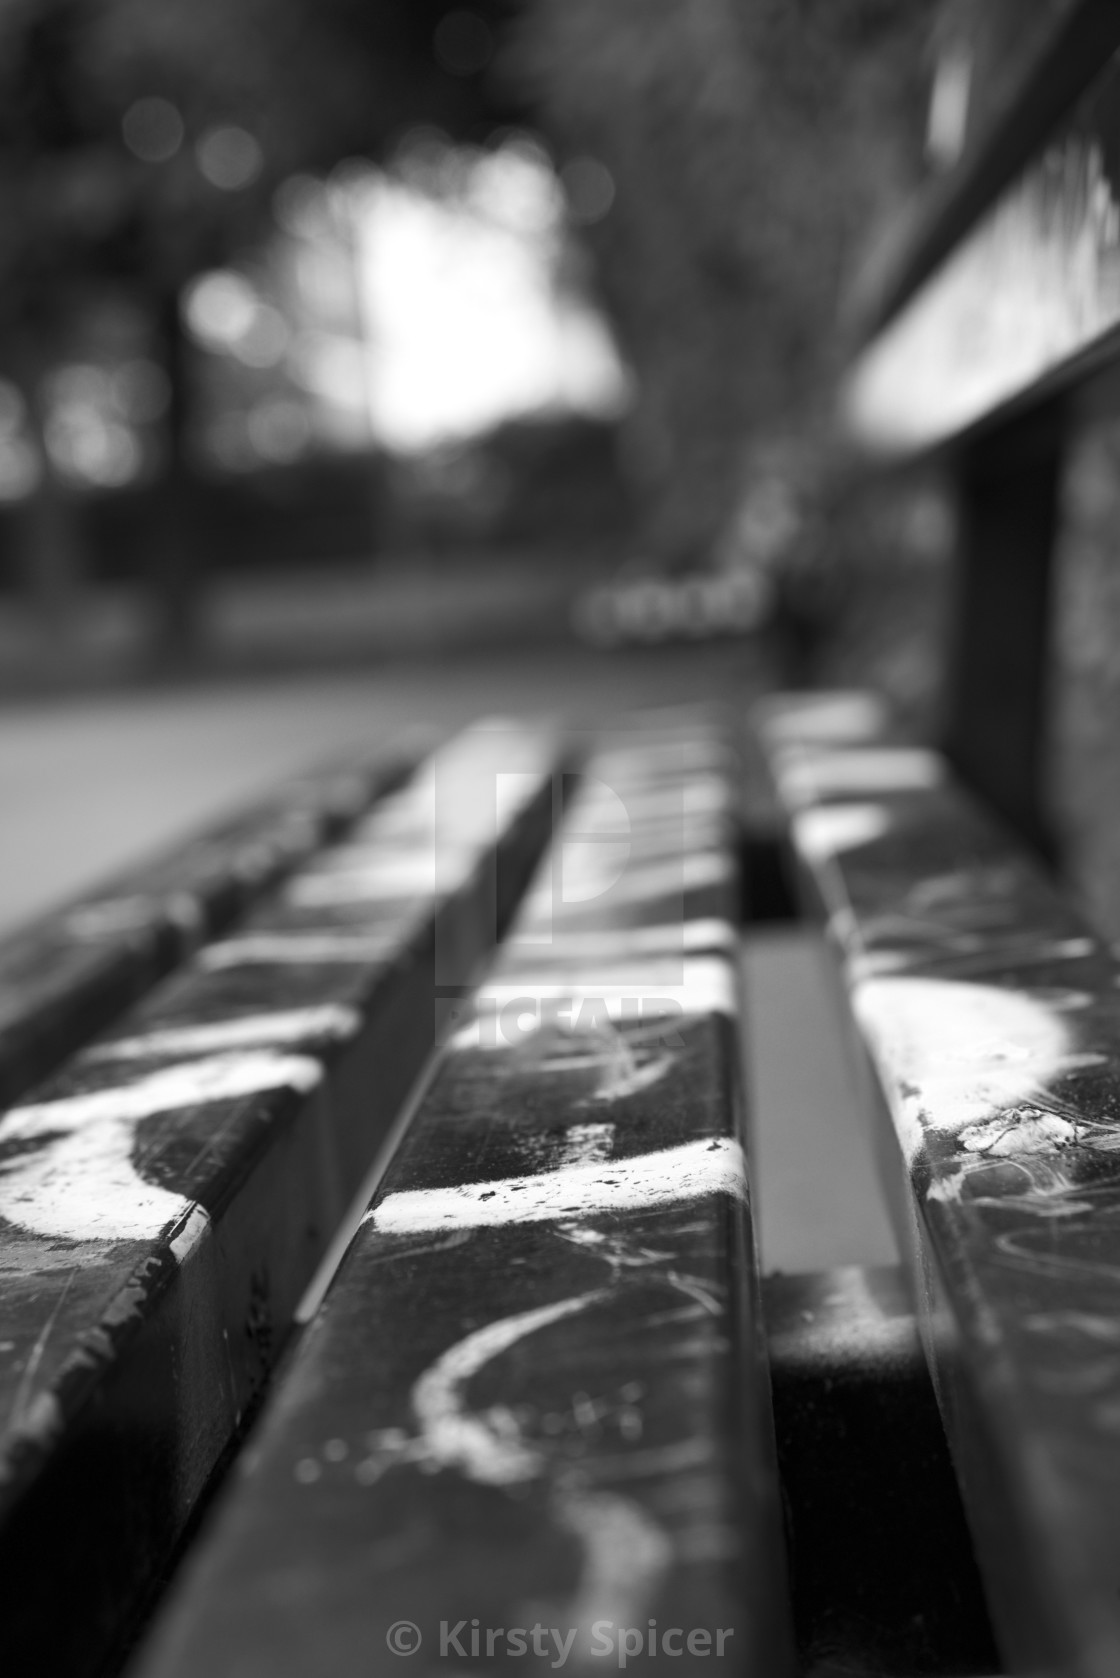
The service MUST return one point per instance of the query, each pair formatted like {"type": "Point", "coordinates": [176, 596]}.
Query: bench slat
{"type": "Point", "coordinates": [536, 1395]}
{"type": "Point", "coordinates": [1021, 68]}
{"type": "Point", "coordinates": [1022, 303]}
{"type": "Point", "coordinates": [165, 1198]}
{"type": "Point", "coordinates": [66, 975]}
{"type": "Point", "coordinates": [989, 1012]}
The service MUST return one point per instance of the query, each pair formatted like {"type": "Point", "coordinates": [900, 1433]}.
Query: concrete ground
{"type": "Point", "coordinates": [90, 784]}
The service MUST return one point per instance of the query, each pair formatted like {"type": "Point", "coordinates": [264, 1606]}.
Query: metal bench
{"type": "Point", "coordinates": [426, 1175]}
{"type": "Point", "coordinates": [532, 1419]}
{"type": "Point", "coordinates": [983, 1003]}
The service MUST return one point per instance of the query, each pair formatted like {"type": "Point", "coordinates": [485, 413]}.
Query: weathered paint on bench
{"type": "Point", "coordinates": [65, 976]}
{"type": "Point", "coordinates": [989, 1014]}
{"type": "Point", "coordinates": [165, 1198]}
{"type": "Point", "coordinates": [532, 1420]}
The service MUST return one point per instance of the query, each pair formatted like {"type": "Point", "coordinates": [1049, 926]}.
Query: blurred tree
{"type": "Point", "coordinates": [752, 144]}
{"type": "Point", "coordinates": [141, 141]}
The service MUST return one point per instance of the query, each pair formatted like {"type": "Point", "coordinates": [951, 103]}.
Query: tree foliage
{"type": "Point", "coordinates": [753, 145]}
{"type": "Point", "coordinates": [90, 207]}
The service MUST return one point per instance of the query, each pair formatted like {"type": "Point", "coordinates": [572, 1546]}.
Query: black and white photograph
{"type": "Point", "coordinates": [559, 838]}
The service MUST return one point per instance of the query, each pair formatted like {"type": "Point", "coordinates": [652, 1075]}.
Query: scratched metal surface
{"type": "Point", "coordinates": [990, 1013]}
{"type": "Point", "coordinates": [165, 1198]}
{"type": "Point", "coordinates": [64, 976]}
{"type": "Point", "coordinates": [534, 1402]}
{"type": "Point", "coordinates": [1026, 302]}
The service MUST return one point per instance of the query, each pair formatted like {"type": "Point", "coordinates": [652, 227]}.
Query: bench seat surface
{"type": "Point", "coordinates": [989, 1012]}
{"type": "Point", "coordinates": [535, 1396]}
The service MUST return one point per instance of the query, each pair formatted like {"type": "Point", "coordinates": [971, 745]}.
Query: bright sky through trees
{"type": "Point", "coordinates": [469, 318]}
{"type": "Point", "coordinates": [407, 307]}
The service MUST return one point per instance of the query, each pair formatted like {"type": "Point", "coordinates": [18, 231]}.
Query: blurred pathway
{"type": "Point", "coordinates": [90, 784]}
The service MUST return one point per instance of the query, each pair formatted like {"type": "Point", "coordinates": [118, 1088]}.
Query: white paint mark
{"type": "Point", "coordinates": [384, 880]}
{"type": "Point", "coordinates": [1023, 1130]}
{"type": "Point", "coordinates": [688, 1172]}
{"type": "Point", "coordinates": [82, 1184]}
{"type": "Point", "coordinates": [217, 1078]}
{"type": "Point", "coordinates": [627, 1062]}
{"type": "Point", "coordinates": [187, 1239]}
{"type": "Point", "coordinates": [1070, 949]}
{"type": "Point", "coordinates": [625, 1554]}
{"type": "Point", "coordinates": [288, 1025]}
{"type": "Point", "coordinates": [1104, 1330]}
{"type": "Point", "coordinates": [1039, 1184]}
{"type": "Point", "coordinates": [804, 774]}
{"type": "Point", "coordinates": [111, 917]}
{"type": "Point", "coordinates": [586, 1144]}
{"type": "Point", "coordinates": [820, 834]}
{"type": "Point", "coordinates": [617, 944]}
{"type": "Point", "coordinates": [839, 716]}
{"type": "Point", "coordinates": [297, 948]}
{"type": "Point", "coordinates": [624, 1074]}
{"type": "Point", "coordinates": [954, 1054]}
{"type": "Point", "coordinates": [469, 1441]}
{"type": "Point", "coordinates": [38, 1424]}
{"type": "Point", "coordinates": [636, 880]}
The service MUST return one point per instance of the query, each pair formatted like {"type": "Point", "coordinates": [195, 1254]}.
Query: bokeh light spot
{"type": "Point", "coordinates": [219, 308]}
{"type": "Point", "coordinates": [152, 129]}
{"type": "Point", "coordinates": [230, 158]}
